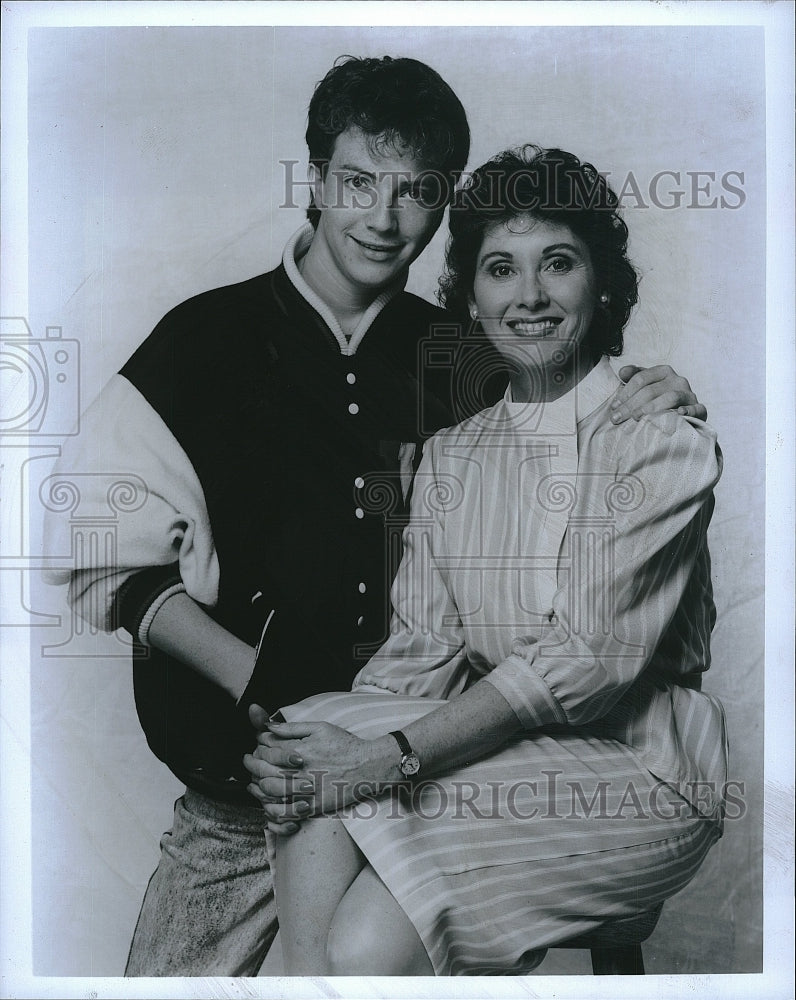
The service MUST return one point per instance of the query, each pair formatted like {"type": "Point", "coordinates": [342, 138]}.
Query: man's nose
{"type": "Point", "coordinates": [383, 217]}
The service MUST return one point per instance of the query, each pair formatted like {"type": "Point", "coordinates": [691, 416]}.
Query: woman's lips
{"type": "Point", "coordinates": [534, 327]}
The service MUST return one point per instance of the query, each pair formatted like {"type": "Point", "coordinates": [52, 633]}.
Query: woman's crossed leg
{"type": "Point", "coordinates": [336, 916]}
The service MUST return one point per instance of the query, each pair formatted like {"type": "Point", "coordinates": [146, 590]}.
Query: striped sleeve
{"type": "Point", "coordinates": [636, 571]}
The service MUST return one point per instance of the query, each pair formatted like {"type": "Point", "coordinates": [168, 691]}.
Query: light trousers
{"type": "Point", "coordinates": [209, 907]}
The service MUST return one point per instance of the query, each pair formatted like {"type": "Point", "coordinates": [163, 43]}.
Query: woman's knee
{"type": "Point", "coordinates": [352, 949]}
{"type": "Point", "coordinates": [357, 948]}
{"type": "Point", "coordinates": [371, 935]}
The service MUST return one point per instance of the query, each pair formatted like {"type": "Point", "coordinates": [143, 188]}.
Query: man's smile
{"type": "Point", "coordinates": [381, 249]}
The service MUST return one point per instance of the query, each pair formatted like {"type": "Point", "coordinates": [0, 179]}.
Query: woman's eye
{"type": "Point", "coordinates": [559, 264]}
{"type": "Point", "coordinates": [501, 270]}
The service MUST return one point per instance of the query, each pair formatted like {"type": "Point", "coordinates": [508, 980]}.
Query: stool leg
{"type": "Point", "coordinates": [617, 961]}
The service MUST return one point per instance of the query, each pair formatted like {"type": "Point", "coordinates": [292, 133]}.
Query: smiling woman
{"type": "Point", "coordinates": [535, 282]}
{"type": "Point", "coordinates": [552, 620]}
{"type": "Point", "coordinates": [537, 241]}
{"type": "Point", "coordinates": [546, 186]}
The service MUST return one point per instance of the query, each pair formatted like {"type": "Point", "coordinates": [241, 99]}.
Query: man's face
{"type": "Point", "coordinates": [373, 224]}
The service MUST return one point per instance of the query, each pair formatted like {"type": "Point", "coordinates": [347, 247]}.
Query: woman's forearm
{"type": "Point", "coordinates": [184, 630]}
{"type": "Point", "coordinates": [467, 727]}
{"type": "Point", "coordinates": [331, 768]}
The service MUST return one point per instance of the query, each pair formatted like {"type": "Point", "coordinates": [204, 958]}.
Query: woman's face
{"type": "Point", "coordinates": [535, 291]}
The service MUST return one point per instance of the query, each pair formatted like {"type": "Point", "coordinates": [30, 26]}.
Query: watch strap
{"type": "Point", "coordinates": [402, 742]}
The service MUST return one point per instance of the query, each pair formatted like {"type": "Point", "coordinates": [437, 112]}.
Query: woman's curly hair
{"type": "Point", "coordinates": [549, 185]}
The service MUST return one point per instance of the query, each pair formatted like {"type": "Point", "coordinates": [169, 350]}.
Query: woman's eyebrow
{"type": "Point", "coordinates": [503, 254]}
{"type": "Point", "coordinates": [562, 246]}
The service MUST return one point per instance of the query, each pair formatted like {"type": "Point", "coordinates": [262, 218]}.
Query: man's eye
{"type": "Point", "coordinates": [413, 193]}
{"type": "Point", "coordinates": [426, 192]}
{"type": "Point", "coordinates": [421, 192]}
{"type": "Point", "coordinates": [357, 181]}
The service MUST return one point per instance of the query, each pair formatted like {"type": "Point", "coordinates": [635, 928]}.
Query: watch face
{"type": "Point", "coordinates": [410, 764]}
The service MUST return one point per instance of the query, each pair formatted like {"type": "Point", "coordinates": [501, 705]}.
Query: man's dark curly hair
{"type": "Point", "coordinates": [548, 185]}
{"type": "Point", "coordinates": [400, 103]}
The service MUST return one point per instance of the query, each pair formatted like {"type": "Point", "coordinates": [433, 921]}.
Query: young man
{"type": "Point", "coordinates": [273, 425]}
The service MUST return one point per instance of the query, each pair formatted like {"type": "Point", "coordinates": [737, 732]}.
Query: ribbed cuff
{"type": "Point", "coordinates": [154, 607]}
{"type": "Point", "coordinates": [137, 595]}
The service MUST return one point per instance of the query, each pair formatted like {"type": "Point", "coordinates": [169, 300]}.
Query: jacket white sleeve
{"type": "Point", "coordinates": [125, 497]}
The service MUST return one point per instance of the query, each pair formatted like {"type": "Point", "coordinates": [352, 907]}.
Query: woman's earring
{"type": "Point", "coordinates": [605, 298]}
{"type": "Point", "coordinates": [473, 312]}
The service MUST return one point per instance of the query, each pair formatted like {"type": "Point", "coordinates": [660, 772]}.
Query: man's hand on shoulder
{"type": "Point", "coordinates": [653, 390]}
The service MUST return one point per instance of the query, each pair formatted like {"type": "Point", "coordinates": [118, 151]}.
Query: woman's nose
{"type": "Point", "coordinates": [530, 292]}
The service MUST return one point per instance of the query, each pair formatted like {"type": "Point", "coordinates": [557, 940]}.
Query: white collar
{"type": "Point", "coordinates": [297, 246]}
{"type": "Point", "coordinates": [567, 411]}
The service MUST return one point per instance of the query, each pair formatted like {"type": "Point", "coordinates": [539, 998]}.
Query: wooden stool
{"type": "Point", "coordinates": [616, 946]}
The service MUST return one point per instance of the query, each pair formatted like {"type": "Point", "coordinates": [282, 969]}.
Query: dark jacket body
{"type": "Point", "coordinates": [303, 494]}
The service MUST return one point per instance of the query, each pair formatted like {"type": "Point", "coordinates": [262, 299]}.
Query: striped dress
{"type": "Point", "coordinates": [564, 560]}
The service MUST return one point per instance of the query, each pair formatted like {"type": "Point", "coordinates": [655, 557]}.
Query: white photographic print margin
{"type": "Point", "coordinates": [152, 151]}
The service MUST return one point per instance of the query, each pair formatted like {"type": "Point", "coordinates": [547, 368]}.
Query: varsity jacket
{"type": "Point", "coordinates": [277, 459]}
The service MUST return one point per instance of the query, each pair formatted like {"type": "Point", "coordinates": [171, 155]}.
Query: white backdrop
{"type": "Point", "coordinates": [154, 173]}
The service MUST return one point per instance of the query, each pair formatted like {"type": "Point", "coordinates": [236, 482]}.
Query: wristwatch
{"type": "Point", "coordinates": [410, 762]}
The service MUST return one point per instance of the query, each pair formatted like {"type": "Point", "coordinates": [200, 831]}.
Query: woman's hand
{"type": "Point", "coordinates": [282, 803]}
{"type": "Point", "coordinates": [303, 769]}
{"type": "Point", "coordinates": [652, 390]}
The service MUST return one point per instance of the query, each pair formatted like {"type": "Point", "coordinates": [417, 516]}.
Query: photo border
{"type": "Point", "coordinates": [777, 19]}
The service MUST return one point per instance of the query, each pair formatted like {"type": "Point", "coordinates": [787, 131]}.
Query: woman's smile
{"type": "Point", "coordinates": [535, 292]}
{"type": "Point", "coordinates": [527, 327]}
